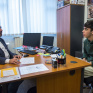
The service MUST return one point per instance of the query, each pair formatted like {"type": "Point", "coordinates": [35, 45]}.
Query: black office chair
{"type": "Point", "coordinates": [89, 83]}
{"type": "Point", "coordinates": [0, 88]}
{"type": "Point", "coordinates": [32, 90]}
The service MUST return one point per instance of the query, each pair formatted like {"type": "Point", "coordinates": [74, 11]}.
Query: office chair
{"type": "Point", "coordinates": [32, 90]}
{"type": "Point", "coordinates": [0, 88]}
{"type": "Point", "coordinates": [89, 83]}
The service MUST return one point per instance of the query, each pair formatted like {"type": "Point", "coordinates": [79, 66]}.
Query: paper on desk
{"type": "Point", "coordinates": [53, 55]}
{"type": "Point", "coordinates": [8, 73]}
{"type": "Point", "coordinates": [28, 60]}
{"type": "Point", "coordinates": [8, 77]}
{"type": "Point", "coordinates": [78, 58]}
{"type": "Point", "coordinates": [40, 53]}
{"type": "Point", "coordinates": [32, 69]}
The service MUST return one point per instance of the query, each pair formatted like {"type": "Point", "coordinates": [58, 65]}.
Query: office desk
{"type": "Point", "coordinates": [64, 79]}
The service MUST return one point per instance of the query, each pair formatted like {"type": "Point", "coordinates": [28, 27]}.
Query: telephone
{"type": "Point", "coordinates": [52, 50]}
{"type": "Point", "coordinates": [55, 50]}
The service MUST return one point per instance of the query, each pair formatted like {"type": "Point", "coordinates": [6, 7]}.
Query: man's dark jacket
{"type": "Point", "coordinates": [2, 55]}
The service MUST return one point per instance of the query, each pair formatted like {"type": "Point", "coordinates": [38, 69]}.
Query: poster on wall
{"type": "Point", "coordinates": [90, 12]}
{"type": "Point", "coordinates": [90, 2]}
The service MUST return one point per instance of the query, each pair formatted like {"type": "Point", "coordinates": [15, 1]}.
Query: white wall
{"type": "Point", "coordinates": [10, 40]}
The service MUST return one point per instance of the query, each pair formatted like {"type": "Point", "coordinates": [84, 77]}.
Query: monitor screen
{"type": "Point", "coordinates": [32, 39]}
{"type": "Point", "coordinates": [48, 40]}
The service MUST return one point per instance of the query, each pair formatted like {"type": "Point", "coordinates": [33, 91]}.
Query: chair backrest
{"type": "Point", "coordinates": [89, 83]}
{"type": "Point", "coordinates": [88, 80]}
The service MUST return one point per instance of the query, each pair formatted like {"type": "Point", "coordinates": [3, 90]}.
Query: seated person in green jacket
{"type": "Point", "coordinates": [88, 48]}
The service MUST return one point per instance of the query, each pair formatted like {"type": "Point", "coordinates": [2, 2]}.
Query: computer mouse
{"type": "Point", "coordinates": [26, 55]}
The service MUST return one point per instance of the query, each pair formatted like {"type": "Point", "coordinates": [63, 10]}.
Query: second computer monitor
{"type": "Point", "coordinates": [48, 40]}
{"type": "Point", "coordinates": [32, 39]}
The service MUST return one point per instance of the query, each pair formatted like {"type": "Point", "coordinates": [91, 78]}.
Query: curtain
{"type": "Point", "coordinates": [28, 16]}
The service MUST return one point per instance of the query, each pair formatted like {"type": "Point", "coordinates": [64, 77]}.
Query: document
{"type": "Point", "coordinates": [32, 69]}
{"type": "Point", "coordinates": [28, 60]}
{"type": "Point", "coordinates": [9, 74]}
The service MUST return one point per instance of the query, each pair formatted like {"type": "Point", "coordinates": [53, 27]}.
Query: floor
{"type": "Point", "coordinates": [86, 90]}
{"type": "Point", "coordinates": [31, 82]}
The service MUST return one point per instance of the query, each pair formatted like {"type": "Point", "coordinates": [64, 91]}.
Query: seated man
{"type": "Point", "coordinates": [88, 48]}
{"type": "Point", "coordinates": [6, 56]}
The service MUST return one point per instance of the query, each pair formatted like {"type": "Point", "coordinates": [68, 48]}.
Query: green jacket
{"type": "Point", "coordinates": [88, 50]}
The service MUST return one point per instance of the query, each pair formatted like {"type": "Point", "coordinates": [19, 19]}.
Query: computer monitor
{"type": "Point", "coordinates": [48, 40]}
{"type": "Point", "coordinates": [32, 39]}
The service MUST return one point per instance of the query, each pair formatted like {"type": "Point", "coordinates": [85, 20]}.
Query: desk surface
{"type": "Point", "coordinates": [61, 68]}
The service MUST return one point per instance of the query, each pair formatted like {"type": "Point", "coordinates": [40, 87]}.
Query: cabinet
{"type": "Point", "coordinates": [70, 21]}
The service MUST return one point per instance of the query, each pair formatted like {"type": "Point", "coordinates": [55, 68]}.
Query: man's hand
{"type": "Point", "coordinates": [17, 56]}
{"type": "Point", "coordinates": [84, 59]}
{"type": "Point", "coordinates": [87, 61]}
{"type": "Point", "coordinates": [14, 61]}
{"type": "Point", "coordinates": [90, 62]}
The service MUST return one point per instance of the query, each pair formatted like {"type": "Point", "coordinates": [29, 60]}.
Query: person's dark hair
{"type": "Point", "coordinates": [89, 24]}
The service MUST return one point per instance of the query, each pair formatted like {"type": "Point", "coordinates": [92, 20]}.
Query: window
{"type": "Point", "coordinates": [35, 16]}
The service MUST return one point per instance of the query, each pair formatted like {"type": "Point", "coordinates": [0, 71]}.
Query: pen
{"type": "Point", "coordinates": [62, 53]}
{"type": "Point", "coordinates": [65, 55]}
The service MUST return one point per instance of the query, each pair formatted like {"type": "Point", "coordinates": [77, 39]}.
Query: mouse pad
{"type": "Point", "coordinates": [73, 62]}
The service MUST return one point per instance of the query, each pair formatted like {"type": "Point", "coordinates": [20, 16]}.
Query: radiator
{"type": "Point", "coordinates": [18, 43]}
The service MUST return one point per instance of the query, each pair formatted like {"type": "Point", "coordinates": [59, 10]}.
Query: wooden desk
{"type": "Point", "coordinates": [56, 80]}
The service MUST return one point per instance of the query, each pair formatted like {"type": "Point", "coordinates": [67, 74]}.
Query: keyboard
{"type": "Point", "coordinates": [28, 52]}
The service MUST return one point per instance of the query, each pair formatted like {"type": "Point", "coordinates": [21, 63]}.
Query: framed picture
{"type": "Point", "coordinates": [90, 2]}
{"type": "Point", "coordinates": [90, 12]}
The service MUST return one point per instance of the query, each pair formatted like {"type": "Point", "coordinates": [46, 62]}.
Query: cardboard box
{"type": "Point", "coordinates": [81, 2]}
{"type": "Point", "coordinates": [66, 2]}
{"type": "Point", "coordinates": [73, 1]}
